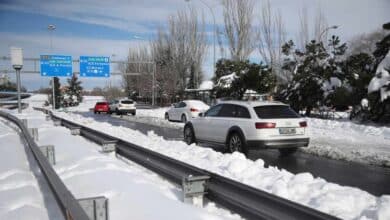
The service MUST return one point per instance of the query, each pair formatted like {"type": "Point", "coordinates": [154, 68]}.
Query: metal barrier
{"type": "Point", "coordinates": [69, 206]}
{"type": "Point", "coordinates": [247, 201]}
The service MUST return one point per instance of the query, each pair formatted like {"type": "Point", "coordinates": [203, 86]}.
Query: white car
{"type": "Point", "coordinates": [244, 125]}
{"type": "Point", "coordinates": [185, 110]}
{"type": "Point", "coordinates": [122, 106]}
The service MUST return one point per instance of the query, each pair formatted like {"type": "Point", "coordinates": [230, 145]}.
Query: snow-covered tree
{"type": "Point", "coordinates": [234, 78]}
{"type": "Point", "coordinates": [74, 90]}
{"type": "Point", "coordinates": [316, 73]}
{"type": "Point", "coordinates": [379, 87]}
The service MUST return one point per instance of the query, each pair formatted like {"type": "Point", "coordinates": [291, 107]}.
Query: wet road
{"type": "Point", "coordinates": [375, 180]}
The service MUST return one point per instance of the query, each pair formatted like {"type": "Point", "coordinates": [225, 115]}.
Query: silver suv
{"type": "Point", "coordinates": [241, 125]}
{"type": "Point", "coordinates": [123, 106]}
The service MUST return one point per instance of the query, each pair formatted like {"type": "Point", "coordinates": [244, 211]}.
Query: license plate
{"type": "Point", "coordinates": [287, 131]}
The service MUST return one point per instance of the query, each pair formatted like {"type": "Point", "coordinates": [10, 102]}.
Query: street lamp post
{"type": "Point", "coordinates": [326, 29]}
{"type": "Point", "coordinates": [214, 31]}
{"type": "Point", "coordinates": [17, 64]}
{"type": "Point", "coordinates": [51, 28]}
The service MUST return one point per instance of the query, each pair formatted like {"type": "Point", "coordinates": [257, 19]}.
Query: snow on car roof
{"type": "Point", "coordinates": [254, 103]}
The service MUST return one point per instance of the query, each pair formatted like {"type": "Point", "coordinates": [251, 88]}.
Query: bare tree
{"type": "Point", "coordinates": [320, 28]}
{"type": "Point", "coordinates": [138, 79]}
{"type": "Point", "coordinates": [271, 37]}
{"type": "Point", "coordinates": [239, 31]}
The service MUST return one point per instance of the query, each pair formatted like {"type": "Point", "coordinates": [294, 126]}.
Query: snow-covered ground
{"type": "Point", "coordinates": [133, 191]}
{"type": "Point", "coordinates": [343, 202]}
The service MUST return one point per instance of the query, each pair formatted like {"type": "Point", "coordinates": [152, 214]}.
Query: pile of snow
{"type": "Point", "coordinates": [343, 202]}
{"type": "Point", "coordinates": [381, 79]}
{"type": "Point", "coordinates": [20, 191]}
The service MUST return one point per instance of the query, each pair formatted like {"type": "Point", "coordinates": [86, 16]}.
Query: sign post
{"type": "Point", "coordinates": [17, 64]}
{"type": "Point", "coordinates": [56, 66]}
{"type": "Point", "coordinates": [91, 66]}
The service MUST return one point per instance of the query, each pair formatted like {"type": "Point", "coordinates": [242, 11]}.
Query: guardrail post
{"type": "Point", "coordinates": [49, 152]}
{"type": "Point", "coordinates": [34, 133]}
{"type": "Point", "coordinates": [194, 188]}
{"type": "Point", "coordinates": [109, 146]}
{"type": "Point", "coordinates": [25, 122]}
{"type": "Point", "coordinates": [75, 130]}
{"type": "Point", "coordinates": [96, 208]}
{"type": "Point", "coordinates": [57, 122]}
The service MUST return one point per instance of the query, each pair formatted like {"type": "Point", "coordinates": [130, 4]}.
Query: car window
{"type": "Point", "coordinates": [127, 101]}
{"type": "Point", "coordinates": [275, 111]}
{"type": "Point", "coordinates": [242, 112]}
{"type": "Point", "coordinates": [181, 105]}
{"type": "Point", "coordinates": [213, 111]}
{"type": "Point", "coordinates": [227, 110]}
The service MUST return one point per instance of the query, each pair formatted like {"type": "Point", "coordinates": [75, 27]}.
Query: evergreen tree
{"type": "Point", "coordinates": [244, 76]}
{"type": "Point", "coordinates": [380, 108]}
{"type": "Point", "coordinates": [315, 71]}
{"type": "Point", "coordinates": [58, 95]}
{"type": "Point", "coordinates": [74, 90]}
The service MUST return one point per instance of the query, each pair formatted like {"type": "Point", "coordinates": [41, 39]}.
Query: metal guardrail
{"type": "Point", "coordinates": [247, 201]}
{"type": "Point", "coordinates": [69, 206]}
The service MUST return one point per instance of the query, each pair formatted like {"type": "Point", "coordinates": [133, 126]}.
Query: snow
{"type": "Point", "coordinates": [206, 85]}
{"type": "Point", "coordinates": [87, 172]}
{"type": "Point", "coordinates": [381, 79]}
{"type": "Point", "coordinates": [226, 81]}
{"type": "Point", "coordinates": [133, 191]}
{"type": "Point", "coordinates": [343, 202]}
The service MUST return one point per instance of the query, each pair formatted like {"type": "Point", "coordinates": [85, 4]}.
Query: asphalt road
{"type": "Point", "coordinates": [375, 180]}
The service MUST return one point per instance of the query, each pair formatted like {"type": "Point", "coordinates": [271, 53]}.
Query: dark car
{"type": "Point", "coordinates": [101, 107]}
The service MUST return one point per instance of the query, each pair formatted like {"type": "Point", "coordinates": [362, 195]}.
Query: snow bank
{"type": "Point", "coordinates": [343, 202]}
{"type": "Point", "coordinates": [206, 85]}
{"type": "Point", "coordinates": [20, 192]}
{"type": "Point", "coordinates": [349, 141]}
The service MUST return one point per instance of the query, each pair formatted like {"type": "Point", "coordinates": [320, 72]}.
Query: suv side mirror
{"type": "Point", "coordinates": [201, 114]}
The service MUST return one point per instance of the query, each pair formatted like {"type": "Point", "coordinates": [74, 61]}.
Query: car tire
{"type": "Point", "coordinates": [133, 113]}
{"type": "Point", "coordinates": [94, 112]}
{"type": "Point", "coordinates": [189, 135]}
{"type": "Point", "coordinates": [236, 143]}
{"type": "Point", "coordinates": [166, 116]}
{"type": "Point", "coordinates": [184, 119]}
{"type": "Point", "coordinates": [117, 112]}
{"type": "Point", "coordinates": [284, 152]}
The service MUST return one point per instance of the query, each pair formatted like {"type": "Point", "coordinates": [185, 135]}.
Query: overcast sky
{"type": "Point", "coordinates": [108, 28]}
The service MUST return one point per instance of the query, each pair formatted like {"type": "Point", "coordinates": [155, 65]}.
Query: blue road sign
{"type": "Point", "coordinates": [56, 65]}
{"type": "Point", "coordinates": [94, 66]}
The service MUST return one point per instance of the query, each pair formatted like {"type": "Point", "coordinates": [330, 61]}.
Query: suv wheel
{"type": "Point", "coordinates": [183, 119]}
{"type": "Point", "coordinates": [287, 151]}
{"type": "Point", "coordinates": [236, 143]}
{"type": "Point", "coordinates": [189, 136]}
{"type": "Point", "coordinates": [166, 116]}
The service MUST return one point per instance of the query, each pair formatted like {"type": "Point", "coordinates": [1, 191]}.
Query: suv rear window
{"type": "Point", "coordinates": [127, 102]}
{"type": "Point", "coordinates": [101, 103]}
{"type": "Point", "coordinates": [275, 111]}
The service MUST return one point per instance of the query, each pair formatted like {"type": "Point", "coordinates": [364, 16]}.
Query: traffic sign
{"type": "Point", "coordinates": [94, 66]}
{"type": "Point", "coordinates": [56, 65]}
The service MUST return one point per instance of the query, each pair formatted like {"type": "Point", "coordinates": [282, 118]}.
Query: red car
{"type": "Point", "coordinates": [101, 107]}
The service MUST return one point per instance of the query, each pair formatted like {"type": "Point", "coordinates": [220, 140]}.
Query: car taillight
{"type": "Point", "coordinates": [193, 110]}
{"type": "Point", "coordinates": [303, 124]}
{"type": "Point", "coordinates": [261, 125]}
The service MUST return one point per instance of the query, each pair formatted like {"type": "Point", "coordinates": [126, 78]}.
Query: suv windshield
{"type": "Point", "coordinates": [127, 102]}
{"type": "Point", "coordinates": [275, 111]}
